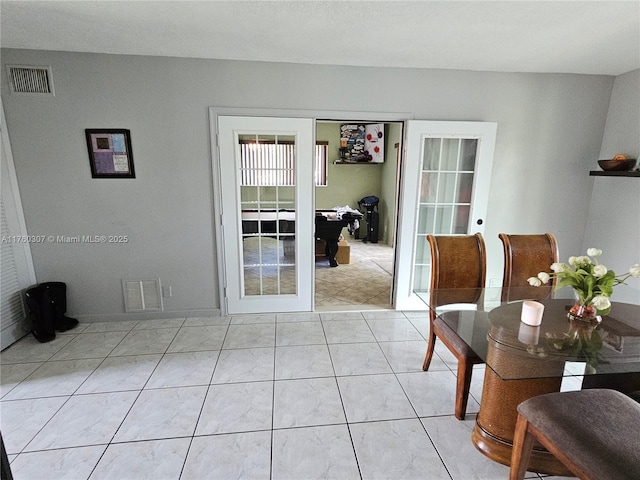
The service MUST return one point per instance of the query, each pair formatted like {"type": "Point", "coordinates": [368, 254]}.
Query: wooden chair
{"type": "Point", "coordinates": [525, 256]}
{"type": "Point", "coordinates": [594, 433]}
{"type": "Point", "coordinates": [458, 273]}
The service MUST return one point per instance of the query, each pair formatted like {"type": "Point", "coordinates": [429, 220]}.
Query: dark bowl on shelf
{"type": "Point", "coordinates": [617, 165]}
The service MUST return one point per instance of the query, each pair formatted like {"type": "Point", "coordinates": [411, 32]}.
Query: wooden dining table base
{"type": "Point", "coordinates": [495, 424]}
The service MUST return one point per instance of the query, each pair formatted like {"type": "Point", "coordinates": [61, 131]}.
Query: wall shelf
{"type": "Point", "coordinates": [601, 173]}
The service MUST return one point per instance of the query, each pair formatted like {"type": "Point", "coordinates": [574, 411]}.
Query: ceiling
{"type": "Point", "coordinates": [586, 37]}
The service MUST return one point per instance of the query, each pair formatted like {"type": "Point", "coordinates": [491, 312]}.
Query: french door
{"type": "Point", "coordinates": [16, 266]}
{"type": "Point", "coordinates": [445, 191]}
{"type": "Point", "coordinates": [266, 167]}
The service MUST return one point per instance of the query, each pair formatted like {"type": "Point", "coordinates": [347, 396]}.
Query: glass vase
{"type": "Point", "coordinates": [584, 313]}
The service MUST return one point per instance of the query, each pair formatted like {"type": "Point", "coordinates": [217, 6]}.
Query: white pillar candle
{"type": "Point", "coordinates": [532, 312]}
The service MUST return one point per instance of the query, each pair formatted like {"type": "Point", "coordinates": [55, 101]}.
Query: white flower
{"type": "Point", "coordinates": [544, 277]}
{"type": "Point", "coordinates": [599, 271]}
{"type": "Point", "coordinates": [594, 252]}
{"type": "Point", "coordinates": [558, 267]}
{"type": "Point", "coordinates": [601, 302]}
{"type": "Point", "coordinates": [573, 261]}
{"type": "Point", "coordinates": [583, 260]}
{"type": "Point", "coordinates": [534, 281]}
{"type": "Point", "coordinates": [634, 271]}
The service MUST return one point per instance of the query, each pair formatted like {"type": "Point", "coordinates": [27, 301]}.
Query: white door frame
{"type": "Point", "coordinates": [214, 112]}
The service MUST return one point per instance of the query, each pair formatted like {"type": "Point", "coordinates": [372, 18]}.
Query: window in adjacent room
{"type": "Point", "coordinates": [267, 163]}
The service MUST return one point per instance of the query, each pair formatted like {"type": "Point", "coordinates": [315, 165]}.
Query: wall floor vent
{"type": "Point", "coordinates": [142, 295]}
{"type": "Point", "coordinates": [26, 79]}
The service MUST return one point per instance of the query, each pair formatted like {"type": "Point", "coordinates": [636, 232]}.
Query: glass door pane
{"type": "Point", "coordinates": [448, 167]}
{"type": "Point", "coordinates": [267, 185]}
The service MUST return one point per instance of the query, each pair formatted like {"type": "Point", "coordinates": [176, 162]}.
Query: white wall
{"type": "Point", "coordinates": [614, 211]}
{"type": "Point", "coordinates": [389, 188]}
{"type": "Point", "coordinates": [550, 129]}
{"type": "Point", "coordinates": [622, 131]}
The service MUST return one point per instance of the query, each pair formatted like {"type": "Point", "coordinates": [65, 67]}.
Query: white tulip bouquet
{"type": "Point", "coordinates": [592, 281]}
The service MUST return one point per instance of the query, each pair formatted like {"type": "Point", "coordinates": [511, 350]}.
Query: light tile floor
{"type": "Point", "coordinates": [335, 395]}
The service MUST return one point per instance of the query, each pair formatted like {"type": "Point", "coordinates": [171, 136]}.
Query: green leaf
{"type": "Point", "coordinates": [606, 290]}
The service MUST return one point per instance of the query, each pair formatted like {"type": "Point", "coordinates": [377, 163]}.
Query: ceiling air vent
{"type": "Point", "coordinates": [142, 295]}
{"type": "Point", "coordinates": [25, 79]}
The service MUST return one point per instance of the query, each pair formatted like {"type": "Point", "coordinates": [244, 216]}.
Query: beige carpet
{"type": "Point", "coordinates": [363, 283]}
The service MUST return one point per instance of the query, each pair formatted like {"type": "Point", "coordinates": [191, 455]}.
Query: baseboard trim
{"type": "Point", "coordinates": [117, 317]}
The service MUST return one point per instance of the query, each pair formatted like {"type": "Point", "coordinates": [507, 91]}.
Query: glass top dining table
{"type": "Point", "coordinates": [558, 347]}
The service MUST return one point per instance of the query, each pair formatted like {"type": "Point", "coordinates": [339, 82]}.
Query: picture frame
{"type": "Point", "coordinates": [110, 153]}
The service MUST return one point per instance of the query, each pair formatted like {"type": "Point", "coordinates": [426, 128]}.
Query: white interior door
{"type": "Point", "coordinates": [16, 266]}
{"type": "Point", "coordinates": [266, 167]}
{"type": "Point", "coordinates": [445, 191]}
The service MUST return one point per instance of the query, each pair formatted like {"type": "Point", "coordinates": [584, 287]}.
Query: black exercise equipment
{"type": "Point", "coordinates": [369, 204]}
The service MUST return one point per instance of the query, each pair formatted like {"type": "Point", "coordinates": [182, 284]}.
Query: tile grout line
{"type": "Point", "coordinates": [344, 411]}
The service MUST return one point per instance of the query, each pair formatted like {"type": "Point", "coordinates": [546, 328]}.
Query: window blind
{"type": "Point", "coordinates": [265, 163]}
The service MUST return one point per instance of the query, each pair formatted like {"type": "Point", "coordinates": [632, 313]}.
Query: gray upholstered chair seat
{"type": "Point", "coordinates": [595, 433]}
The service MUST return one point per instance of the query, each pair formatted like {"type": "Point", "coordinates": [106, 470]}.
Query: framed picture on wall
{"type": "Point", "coordinates": [110, 154]}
